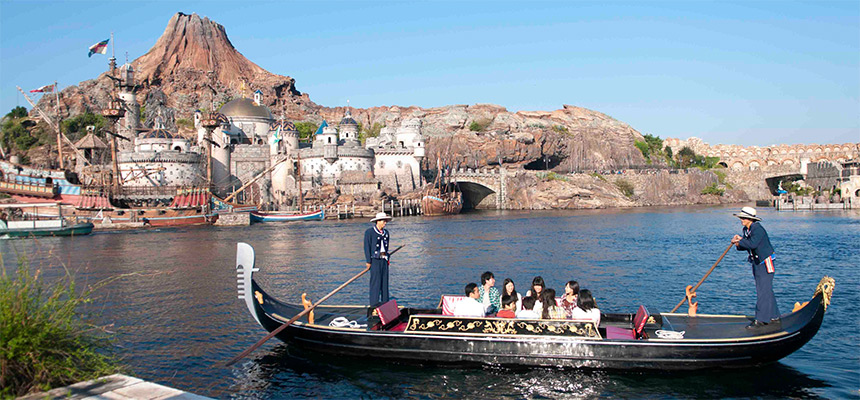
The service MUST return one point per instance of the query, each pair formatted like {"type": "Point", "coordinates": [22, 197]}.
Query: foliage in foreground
{"type": "Point", "coordinates": [44, 341]}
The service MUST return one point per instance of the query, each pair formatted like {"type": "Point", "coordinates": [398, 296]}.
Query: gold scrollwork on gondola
{"type": "Point", "coordinates": [499, 327]}
{"type": "Point", "coordinates": [502, 326]}
{"type": "Point", "coordinates": [825, 287]}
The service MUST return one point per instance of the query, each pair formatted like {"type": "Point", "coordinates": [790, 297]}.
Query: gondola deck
{"type": "Point", "coordinates": [427, 336]}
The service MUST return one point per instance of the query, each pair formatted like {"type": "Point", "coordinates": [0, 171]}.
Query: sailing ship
{"type": "Point", "coordinates": [439, 199]}
{"type": "Point", "coordinates": [624, 341]}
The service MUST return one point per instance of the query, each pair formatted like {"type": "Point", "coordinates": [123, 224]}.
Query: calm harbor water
{"type": "Point", "coordinates": [177, 318]}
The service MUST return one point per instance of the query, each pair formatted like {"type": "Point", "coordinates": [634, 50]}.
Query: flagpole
{"type": "Point", "coordinates": [59, 128]}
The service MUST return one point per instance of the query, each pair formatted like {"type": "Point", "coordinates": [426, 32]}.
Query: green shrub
{"type": "Point", "coordinates": [44, 341]}
{"type": "Point", "coordinates": [713, 189]}
{"type": "Point", "coordinates": [17, 112]}
{"type": "Point", "coordinates": [480, 125]}
{"type": "Point", "coordinates": [306, 130]}
{"type": "Point", "coordinates": [625, 186]}
{"type": "Point", "coordinates": [76, 128]}
{"type": "Point", "coordinates": [185, 123]}
{"type": "Point", "coordinates": [598, 176]}
{"type": "Point", "coordinates": [651, 147]}
{"type": "Point", "coordinates": [560, 129]}
{"type": "Point", "coordinates": [552, 176]}
{"type": "Point", "coordinates": [373, 131]}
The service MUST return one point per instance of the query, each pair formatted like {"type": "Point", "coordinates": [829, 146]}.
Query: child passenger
{"type": "Point", "coordinates": [528, 311]}
{"type": "Point", "coordinates": [508, 307]}
{"type": "Point", "coordinates": [586, 309]}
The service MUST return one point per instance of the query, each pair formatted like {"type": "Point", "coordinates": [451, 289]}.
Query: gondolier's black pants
{"type": "Point", "coordinates": [765, 305]}
{"type": "Point", "coordinates": [378, 281]}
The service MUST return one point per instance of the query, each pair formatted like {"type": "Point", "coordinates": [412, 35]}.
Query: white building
{"type": "Point", "coordinates": [332, 153]}
{"type": "Point", "coordinates": [399, 152]}
{"type": "Point", "coordinates": [160, 158]}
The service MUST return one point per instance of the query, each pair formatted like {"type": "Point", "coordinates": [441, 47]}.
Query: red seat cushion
{"type": "Point", "coordinates": [614, 332]}
{"type": "Point", "coordinates": [639, 322]}
{"type": "Point", "coordinates": [388, 311]}
{"type": "Point", "coordinates": [399, 327]}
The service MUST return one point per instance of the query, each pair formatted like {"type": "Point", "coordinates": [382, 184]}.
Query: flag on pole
{"type": "Point", "coordinates": [100, 47]}
{"type": "Point", "coordinates": [44, 89]}
{"type": "Point", "coordinates": [276, 137]}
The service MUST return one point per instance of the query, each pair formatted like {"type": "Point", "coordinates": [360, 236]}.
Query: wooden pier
{"type": "Point", "coordinates": [808, 204]}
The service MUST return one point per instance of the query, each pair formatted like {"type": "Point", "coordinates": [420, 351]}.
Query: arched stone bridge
{"type": "Point", "coordinates": [795, 156]}
{"type": "Point", "coordinates": [482, 188]}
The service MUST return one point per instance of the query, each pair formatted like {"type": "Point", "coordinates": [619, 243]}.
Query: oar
{"type": "Point", "coordinates": [704, 277]}
{"type": "Point", "coordinates": [299, 315]}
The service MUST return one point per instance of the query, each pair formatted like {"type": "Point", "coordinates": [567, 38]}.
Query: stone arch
{"type": "Point", "coordinates": [771, 161]}
{"type": "Point", "coordinates": [475, 194]}
{"type": "Point", "coordinates": [737, 165]}
{"type": "Point", "coordinates": [755, 163]}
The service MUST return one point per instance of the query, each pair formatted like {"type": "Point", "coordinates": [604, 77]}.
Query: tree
{"type": "Point", "coordinates": [75, 128]}
{"type": "Point", "coordinates": [306, 129]}
{"type": "Point", "coordinates": [17, 112]}
{"type": "Point", "coordinates": [686, 157]}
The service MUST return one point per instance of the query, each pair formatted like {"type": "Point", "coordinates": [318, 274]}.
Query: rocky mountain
{"type": "Point", "coordinates": [194, 65]}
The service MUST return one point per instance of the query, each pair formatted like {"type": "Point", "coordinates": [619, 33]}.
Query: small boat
{"type": "Point", "coordinates": [442, 204]}
{"type": "Point", "coordinates": [15, 225]}
{"type": "Point", "coordinates": [259, 216]}
{"type": "Point", "coordinates": [640, 340]}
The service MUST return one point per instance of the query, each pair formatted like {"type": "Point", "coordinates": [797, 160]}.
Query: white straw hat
{"type": "Point", "coordinates": [747, 213]}
{"type": "Point", "coordinates": [381, 215]}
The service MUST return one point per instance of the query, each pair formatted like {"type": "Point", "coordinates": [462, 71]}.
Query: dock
{"type": "Point", "coordinates": [117, 387]}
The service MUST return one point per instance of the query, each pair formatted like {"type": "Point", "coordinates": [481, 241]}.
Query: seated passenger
{"type": "Point", "coordinates": [488, 294]}
{"type": "Point", "coordinates": [508, 289]}
{"type": "Point", "coordinates": [550, 309]}
{"type": "Point", "coordinates": [586, 308]}
{"type": "Point", "coordinates": [470, 306]}
{"type": "Point", "coordinates": [509, 307]}
{"type": "Point", "coordinates": [537, 287]}
{"type": "Point", "coordinates": [568, 302]}
{"type": "Point", "coordinates": [528, 311]}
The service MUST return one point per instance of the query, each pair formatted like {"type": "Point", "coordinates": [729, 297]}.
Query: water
{"type": "Point", "coordinates": [177, 318]}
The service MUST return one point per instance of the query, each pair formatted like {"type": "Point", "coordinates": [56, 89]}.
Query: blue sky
{"type": "Point", "coordinates": [752, 73]}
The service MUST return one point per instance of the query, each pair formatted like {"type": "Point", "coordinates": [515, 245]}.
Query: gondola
{"type": "Point", "coordinates": [259, 216]}
{"type": "Point", "coordinates": [625, 341]}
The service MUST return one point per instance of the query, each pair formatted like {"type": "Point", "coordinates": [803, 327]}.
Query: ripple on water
{"type": "Point", "coordinates": [178, 318]}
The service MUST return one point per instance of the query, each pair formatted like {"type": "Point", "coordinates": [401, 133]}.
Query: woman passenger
{"type": "Point", "coordinates": [550, 309]}
{"type": "Point", "coordinates": [586, 309]}
{"type": "Point", "coordinates": [568, 302]}
{"type": "Point", "coordinates": [535, 291]}
{"type": "Point", "coordinates": [508, 289]}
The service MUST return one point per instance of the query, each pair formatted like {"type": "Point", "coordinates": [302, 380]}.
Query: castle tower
{"type": "Point", "coordinates": [349, 130]}
{"type": "Point", "coordinates": [129, 123]}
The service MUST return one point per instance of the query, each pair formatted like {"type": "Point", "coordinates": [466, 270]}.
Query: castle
{"type": "Point", "coordinates": [249, 141]}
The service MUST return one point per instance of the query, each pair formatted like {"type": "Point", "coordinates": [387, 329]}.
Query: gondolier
{"type": "Point", "coordinates": [756, 242]}
{"type": "Point", "coordinates": [376, 251]}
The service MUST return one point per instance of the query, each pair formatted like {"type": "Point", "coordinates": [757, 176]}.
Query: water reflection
{"type": "Point", "coordinates": [305, 374]}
